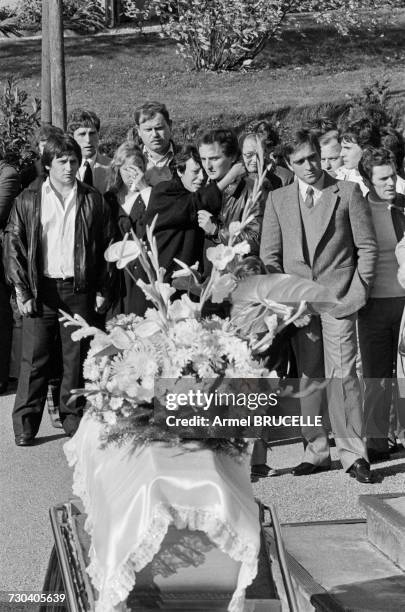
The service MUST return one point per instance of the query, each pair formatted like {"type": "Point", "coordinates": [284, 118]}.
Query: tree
{"type": "Point", "coordinates": [226, 34]}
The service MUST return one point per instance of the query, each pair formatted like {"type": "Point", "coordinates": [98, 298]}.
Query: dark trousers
{"type": "Point", "coordinates": [38, 344]}
{"type": "Point", "coordinates": [379, 323]}
{"type": "Point", "coordinates": [6, 331]}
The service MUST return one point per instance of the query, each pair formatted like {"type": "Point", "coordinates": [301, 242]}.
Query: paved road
{"type": "Point", "coordinates": [31, 480]}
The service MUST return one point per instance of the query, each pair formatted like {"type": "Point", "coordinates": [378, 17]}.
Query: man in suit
{"type": "Point", "coordinates": [54, 248]}
{"type": "Point", "coordinates": [154, 129]}
{"type": "Point", "coordinates": [321, 229]}
{"type": "Point", "coordinates": [9, 188]}
{"type": "Point", "coordinates": [84, 126]}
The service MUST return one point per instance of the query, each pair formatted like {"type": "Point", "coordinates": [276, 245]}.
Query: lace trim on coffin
{"type": "Point", "coordinates": [121, 584]}
{"type": "Point", "coordinates": [79, 480]}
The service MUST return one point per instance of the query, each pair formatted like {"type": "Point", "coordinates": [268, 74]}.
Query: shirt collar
{"type": "Point", "coordinates": [158, 159]}
{"type": "Point", "coordinates": [50, 190]}
{"type": "Point", "coordinates": [317, 187]}
{"type": "Point", "coordinates": [91, 161]}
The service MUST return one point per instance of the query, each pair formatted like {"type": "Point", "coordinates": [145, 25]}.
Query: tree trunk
{"type": "Point", "coordinates": [56, 46]}
{"type": "Point", "coordinates": [46, 106]}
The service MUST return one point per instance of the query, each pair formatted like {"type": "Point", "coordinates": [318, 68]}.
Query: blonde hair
{"type": "Point", "coordinates": [126, 150]}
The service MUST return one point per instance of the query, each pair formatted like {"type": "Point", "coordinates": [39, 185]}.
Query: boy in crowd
{"type": "Point", "coordinates": [84, 126]}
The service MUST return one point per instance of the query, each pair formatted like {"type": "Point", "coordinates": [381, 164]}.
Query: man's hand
{"type": "Point", "coordinates": [27, 308]}
{"type": "Point", "coordinates": [302, 321]}
{"type": "Point", "coordinates": [101, 304]}
{"type": "Point", "coordinates": [236, 171]}
{"type": "Point", "coordinates": [204, 221]}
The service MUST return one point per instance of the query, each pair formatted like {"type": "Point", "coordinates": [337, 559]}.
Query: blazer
{"type": "Point", "coordinates": [345, 255]}
{"type": "Point", "coordinates": [101, 173]}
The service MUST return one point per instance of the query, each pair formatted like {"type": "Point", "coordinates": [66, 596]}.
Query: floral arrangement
{"type": "Point", "coordinates": [173, 341]}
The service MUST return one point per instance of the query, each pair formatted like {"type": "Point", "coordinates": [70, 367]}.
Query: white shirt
{"type": "Point", "coordinates": [353, 175]}
{"type": "Point", "coordinates": [303, 187]}
{"type": "Point", "coordinates": [58, 232]}
{"type": "Point", "coordinates": [156, 160]}
{"type": "Point", "coordinates": [132, 196]}
{"type": "Point", "coordinates": [91, 161]}
{"type": "Point", "coordinates": [400, 187]}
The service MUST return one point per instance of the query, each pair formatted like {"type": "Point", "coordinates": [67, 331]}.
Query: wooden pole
{"type": "Point", "coordinates": [56, 47]}
{"type": "Point", "coordinates": [46, 106]}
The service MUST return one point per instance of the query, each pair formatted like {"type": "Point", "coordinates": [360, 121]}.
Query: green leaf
{"type": "Point", "coordinates": [284, 289]}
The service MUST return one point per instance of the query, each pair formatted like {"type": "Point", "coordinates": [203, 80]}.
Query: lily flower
{"type": "Point", "coordinates": [123, 252]}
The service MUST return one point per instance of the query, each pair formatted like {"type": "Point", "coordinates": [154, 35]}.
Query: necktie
{"type": "Point", "coordinates": [88, 174]}
{"type": "Point", "coordinates": [138, 216]}
{"type": "Point", "coordinates": [309, 200]}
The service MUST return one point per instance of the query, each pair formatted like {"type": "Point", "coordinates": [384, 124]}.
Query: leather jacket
{"type": "Point", "coordinates": [234, 200]}
{"type": "Point", "coordinates": [22, 244]}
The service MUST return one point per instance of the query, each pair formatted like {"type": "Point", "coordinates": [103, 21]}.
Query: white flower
{"type": "Point", "coordinates": [165, 290]}
{"type": "Point", "coordinates": [220, 256]}
{"type": "Point", "coordinates": [242, 248]}
{"type": "Point", "coordinates": [110, 417]}
{"type": "Point", "coordinates": [116, 403]}
{"type": "Point", "coordinates": [235, 228]}
{"type": "Point", "coordinates": [184, 269]}
{"type": "Point", "coordinates": [223, 287]}
{"type": "Point", "coordinates": [120, 339]}
{"type": "Point", "coordinates": [90, 370]}
{"type": "Point", "coordinates": [147, 328]}
{"type": "Point", "coordinates": [123, 252]}
{"type": "Point", "coordinates": [183, 308]}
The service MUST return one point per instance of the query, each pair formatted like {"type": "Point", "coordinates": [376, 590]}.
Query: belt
{"type": "Point", "coordinates": [69, 279]}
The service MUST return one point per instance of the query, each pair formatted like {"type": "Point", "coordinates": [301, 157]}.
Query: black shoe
{"type": "Point", "coordinates": [305, 469]}
{"type": "Point", "coordinates": [375, 456]}
{"type": "Point", "coordinates": [360, 470]}
{"type": "Point", "coordinates": [260, 470]}
{"type": "Point", "coordinates": [25, 440]}
{"type": "Point", "coordinates": [3, 387]}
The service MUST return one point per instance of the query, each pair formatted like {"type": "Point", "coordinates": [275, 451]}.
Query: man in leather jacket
{"type": "Point", "coordinates": [54, 249]}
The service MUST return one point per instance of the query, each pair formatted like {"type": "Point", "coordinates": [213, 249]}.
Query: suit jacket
{"type": "Point", "coordinates": [346, 251]}
{"type": "Point", "coordinates": [101, 173]}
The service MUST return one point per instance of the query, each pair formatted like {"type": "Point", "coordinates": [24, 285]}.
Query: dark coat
{"type": "Point", "coordinates": [9, 189]}
{"type": "Point", "coordinates": [128, 298]}
{"type": "Point", "coordinates": [177, 231]}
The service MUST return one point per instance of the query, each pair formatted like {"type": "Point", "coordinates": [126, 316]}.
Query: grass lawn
{"type": "Point", "coordinates": [113, 74]}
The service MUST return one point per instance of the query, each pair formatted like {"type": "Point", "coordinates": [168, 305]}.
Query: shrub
{"type": "Point", "coordinates": [84, 16]}
{"type": "Point", "coordinates": [17, 124]}
{"type": "Point", "coordinates": [228, 34]}
{"type": "Point", "coordinates": [8, 22]}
